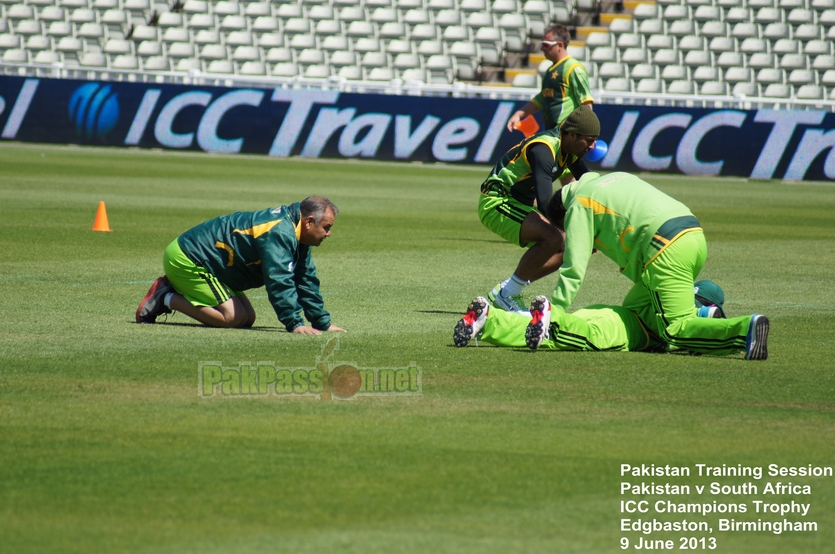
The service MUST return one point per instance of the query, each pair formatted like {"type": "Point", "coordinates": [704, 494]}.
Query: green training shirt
{"type": "Point", "coordinates": [564, 87]}
{"type": "Point", "coordinates": [625, 218]}
{"type": "Point", "coordinates": [248, 250]}
{"type": "Point", "coordinates": [513, 171]}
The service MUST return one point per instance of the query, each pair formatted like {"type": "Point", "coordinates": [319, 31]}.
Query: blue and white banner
{"type": "Point", "coordinates": [323, 123]}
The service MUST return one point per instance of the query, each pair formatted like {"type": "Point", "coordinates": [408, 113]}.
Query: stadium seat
{"type": "Point", "coordinates": [652, 86]}
{"type": "Point", "coordinates": [28, 27]}
{"type": "Point", "coordinates": [246, 54]}
{"type": "Point", "coordinates": [258, 9]}
{"type": "Point", "coordinates": [311, 56]}
{"type": "Point", "coordinates": [303, 26]}
{"type": "Point", "coordinates": [399, 46]}
{"type": "Point", "coordinates": [290, 11]}
{"type": "Point", "coordinates": [367, 44]}
{"type": "Point", "coordinates": [618, 84]}
{"type": "Point", "coordinates": [774, 31]}
{"type": "Point", "coordinates": [632, 56]}
{"type": "Point", "coordinates": [760, 60]}
{"type": "Point", "coordinates": [16, 55]}
{"type": "Point", "coordinates": [271, 40]}
{"type": "Point", "coordinates": [156, 63]}
{"type": "Point", "coordinates": [353, 73]}
{"type": "Point", "coordinates": [603, 54]}
{"type": "Point", "coordinates": [793, 61]}
{"type": "Point", "coordinates": [629, 40]}
{"type": "Point", "coordinates": [171, 19]}
{"type": "Point", "coordinates": [580, 53]}
{"type": "Point", "coordinates": [675, 73]}
{"type": "Point", "coordinates": [125, 61]}
{"type": "Point", "coordinates": [175, 34]}
{"type": "Point", "coordinates": [714, 88]}
{"type": "Point", "coordinates": [470, 5]}
{"type": "Point", "coordinates": [116, 46]}
{"type": "Point", "coordinates": [809, 92]}
{"type": "Point", "coordinates": [824, 62]}
{"type": "Point", "coordinates": [38, 43]}
{"type": "Point", "coordinates": [706, 73]}
{"type": "Point", "coordinates": [203, 36]}
{"type": "Point", "coordinates": [785, 46]}
{"type": "Point", "coordinates": [769, 76]}
{"type": "Point", "coordinates": [285, 69]}
{"type": "Point", "coordinates": [722, 44]}
{"type": "Point", "coordinates": [799, 77]}
{"type": "Point", "coordinates": [666, 56]}
{"type": "Point", "coordinates": [612, 69]}
{"type": "Point", "coordinates": [92, 59]}
{"type": "Point", "coordinates": [753, 45]}
{"type": "Point", "coordinates": [599, 39]}
{"type": "Point", "coordinates": [682, 27]}
{"type": "Point", "coordinates": [52, 13]}
{"type": "Point", "coordinates": [278, 54]}
{"type": "Point", "coordinates": [657, 42]}
{"type": "Point", "coordinates": [144, 32]}
{"type": "Point", "coordinates": [739, 74]}
{"type": "Point", "coordinates": [380, 74]}
{"type": "Point", "coordinates": [527, 80]}
{"type": "Point", "coordinates": [341, 58]}
{"type": "Point", "coordinates": [777, 90]}
{"type": "Point", "coordinates": [149, 48]}
{"type": "Point", "coordinates": [644, 71]}
{"type": "Point", "coordinates": [715, 29]}
{"type": "Point", "coordinates": [751, 90]}
{"type": "Point", "coordinates": [737, 14]}
{"type": "Point", "coordinates": [392, 29]}
{"type": "Point", "coordinates": [697, 58]}
{"type": "Point", "coordinates": [692, 42]}
{"type": "Point", "coordinates": [414, 75]}
{"type": "Point", "coordinates": [674, 12]}
{"type": "Point", "coordinates": [798, 16]}
{"type": "Point", "coordinates": [300, 42]}
{"type": "Point", "coordinates": [418, 16]}
{"type": "Point", "coordinates": [428, 31]}
{"type": "Point", "coordinates": [622, 25]}
{"type": "Point", "coordinates": [317, 71]}
{"type": "Point", "coordinates": [329, 27]}
{"type": "Point", "coordinates": [768, 15]}
{"type": "Point", "coordinates": [651, 27]}
{"type": "Point", "coordinates": [47, 57]}
{"type": "Point", "coordinates": [817, 47]}
{"type": "Point", "coordinates": [179, 50]}
{"type": "Point", "coordinates": [430, 48]}
{"type": "Point", "coordinates": [744, 30]}
{"type": "Point", "coordinates": [730, 59]}
{"type": "Point", "coordinates": [253, 68]}
{"type": "Point", "coordinates": [681, 87]}
{"type": "Point", "coordinates": [707, 13]}
{"type": "Point", "coordinates": [646, 11]}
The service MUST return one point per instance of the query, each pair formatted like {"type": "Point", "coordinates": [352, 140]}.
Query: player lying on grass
{"type": "Point", "coordinates": [207, 268]}
{"type": "Point", "coordinates": [660, 246]}
{"type": "Point", "coordinates": [591, 329]}
{"type": "Point", "coordinates": [524, 175]}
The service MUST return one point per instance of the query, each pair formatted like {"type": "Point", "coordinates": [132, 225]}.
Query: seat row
{"type": "Point", "coordinates": [719, 88]}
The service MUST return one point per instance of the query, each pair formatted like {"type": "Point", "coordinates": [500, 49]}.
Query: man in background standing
{"type": "Point", "coordinates": [565, 86]}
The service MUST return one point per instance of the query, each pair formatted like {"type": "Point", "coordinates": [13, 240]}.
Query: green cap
{"type": "Point", "coordinates": [582, 121]}
{"type": "Point", "coordinates": [709, 293]}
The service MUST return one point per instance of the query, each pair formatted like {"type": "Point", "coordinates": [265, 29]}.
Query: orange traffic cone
{"type": "Point", "coordinates": [100, 224]}
{"type": "Point", "coordinates": [529, 126]}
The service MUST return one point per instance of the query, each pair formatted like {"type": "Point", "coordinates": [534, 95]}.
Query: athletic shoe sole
{"type": "Point", "coordinates": [471, 324]}
{"type": "Point", "coordinates": [757, 347]}
{"type": "Point", "coordinates": [152, 305]}
{"type": "Point", "coordinates": [538, 328]}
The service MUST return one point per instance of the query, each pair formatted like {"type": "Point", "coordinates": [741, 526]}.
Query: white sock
{"type": "Point", "coordinates": [167, 300]}
{"type": "Point", "coordinates": [513, 286]}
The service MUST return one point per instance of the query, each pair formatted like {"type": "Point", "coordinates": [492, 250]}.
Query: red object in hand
{"type": "Point", "coordinates": [529, 126]}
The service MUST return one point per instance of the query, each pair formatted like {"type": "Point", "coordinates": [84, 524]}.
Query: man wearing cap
{"type": "Point", "coordinates": [660, 246]}
{"type": "Point", "coordinates": [590, 329]}
{"type": "Point", "coordinates": [523, 177]}
{"type": "Point", "coordinates": [565, 86]}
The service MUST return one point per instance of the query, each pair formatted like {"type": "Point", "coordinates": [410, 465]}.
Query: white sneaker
{"type": "Point", "coordinates": [507, 303]}
{"type": "Point", "coordinates": [756, 347]}
{"type": "Point", "coordinates": [472, 323]}
{"type": "Point", "coordinates": [539, 328]}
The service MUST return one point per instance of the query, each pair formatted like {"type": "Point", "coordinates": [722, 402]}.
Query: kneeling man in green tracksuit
{"type": "Point", "coordinates": [208, 268]}
{"type": "Point", "coordinates": [660, 246]}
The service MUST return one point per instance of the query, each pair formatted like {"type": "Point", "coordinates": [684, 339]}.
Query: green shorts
{"type": "Point", "coordinates": [504, 216]}
{"type": "Point", "coordinates": [195, 283]}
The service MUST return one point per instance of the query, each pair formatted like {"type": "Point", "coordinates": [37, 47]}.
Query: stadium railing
{"type": "Point", "coordinates": [398, 87]}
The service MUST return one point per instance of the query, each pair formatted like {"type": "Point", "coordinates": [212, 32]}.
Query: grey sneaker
{"type": "Point", "coordinates": [472, 323]}
{"type": "Point", "coordinates": [756, 347]}
{"type": "Point", "coordinates": [507, 303]}
{"type": "Point", "coordinates": [152, 305]}
{"type": "Point", "coordinates": [539, 328]}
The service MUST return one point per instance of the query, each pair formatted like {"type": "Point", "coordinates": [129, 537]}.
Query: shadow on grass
{"type": "Point", "coordinates": [442, 312]}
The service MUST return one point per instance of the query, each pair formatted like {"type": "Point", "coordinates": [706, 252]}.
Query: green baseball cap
{"type": "Point", "coordinates": [709, 293]}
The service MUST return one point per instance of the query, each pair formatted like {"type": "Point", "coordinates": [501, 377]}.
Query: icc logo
{"type": "Point", "coordinates": [94, 110]}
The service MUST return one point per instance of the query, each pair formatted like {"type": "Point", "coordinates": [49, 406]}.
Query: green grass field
{"type": "Point", "coordinates": [106, 446]}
